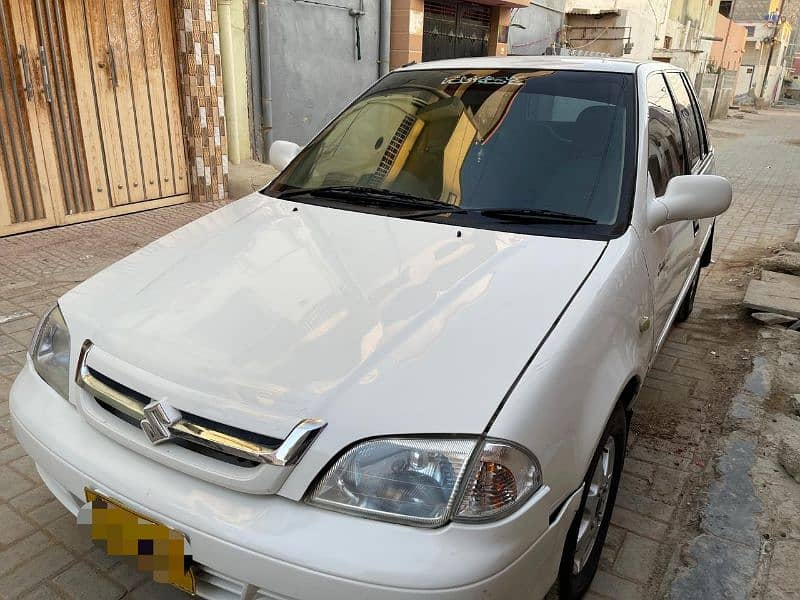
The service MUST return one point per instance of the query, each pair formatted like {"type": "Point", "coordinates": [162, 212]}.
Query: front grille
{"type": "Point", "coordinates": [158, 422]}
{"type": "Point", "coordinates": [142, 401]}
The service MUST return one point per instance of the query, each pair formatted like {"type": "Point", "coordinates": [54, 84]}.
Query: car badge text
{"type": "Point", "coordinates": [159, 417]}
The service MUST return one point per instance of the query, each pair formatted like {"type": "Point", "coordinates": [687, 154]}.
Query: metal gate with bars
{"type": "Point", "coordinates": [90, 119]}
{"type": "Point", "coordinates": [455, 29]}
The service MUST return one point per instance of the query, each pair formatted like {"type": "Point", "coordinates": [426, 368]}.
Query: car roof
{"type": "Point", "coordinates": [573, 63]}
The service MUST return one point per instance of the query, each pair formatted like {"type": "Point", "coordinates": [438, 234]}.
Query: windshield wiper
{"type": "Point", "coordinates": [515, 215]}
{"type": "Point", "coordinates": [534, 214]}
{"type": "Point", "coordinates": [370, 196]}
{"type": "Point", "coordinates": [382, 197]}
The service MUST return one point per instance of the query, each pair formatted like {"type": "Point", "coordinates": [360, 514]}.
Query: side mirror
{"type": "Point", "coordinates": [689, 198]}
{"type": "Point", "coordinates": [282, 152]}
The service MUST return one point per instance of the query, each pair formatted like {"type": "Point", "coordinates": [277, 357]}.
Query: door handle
{"type": "Point", "coordinates": [48, 90]}
{"type": "Point", "coordinates": [25, 66]}
{"type": "Point", "coordinates": [113, 66]}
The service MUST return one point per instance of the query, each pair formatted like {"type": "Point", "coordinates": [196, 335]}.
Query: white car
{"type": "Point", "coordinates": [405, 368]}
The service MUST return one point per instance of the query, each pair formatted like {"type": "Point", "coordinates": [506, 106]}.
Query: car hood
{"type": "Point", "coordinates": [268, 311]}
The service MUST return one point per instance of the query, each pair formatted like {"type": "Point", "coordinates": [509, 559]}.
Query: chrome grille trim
{"type": "Point", "coordinates": [287, 453]}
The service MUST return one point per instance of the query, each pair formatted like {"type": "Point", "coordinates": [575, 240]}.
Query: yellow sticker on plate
{"type": "Point", "coordinates": [158, 549]}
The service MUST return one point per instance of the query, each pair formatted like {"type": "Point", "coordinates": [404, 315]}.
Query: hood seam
{"type": "Point", "coordinates": [541, 343]}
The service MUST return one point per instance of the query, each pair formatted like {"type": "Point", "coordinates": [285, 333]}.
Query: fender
{"type": "Point", "coordinates": [564, 398]}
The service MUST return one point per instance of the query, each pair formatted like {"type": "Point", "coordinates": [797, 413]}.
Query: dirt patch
{"type": "Point", "coordinates": [722, 341]}
{"type": "Point", "coordinates": [754, 370]}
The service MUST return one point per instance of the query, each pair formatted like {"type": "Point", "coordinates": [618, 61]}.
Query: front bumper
{"type": "Point", "coordinates": [268, 547]}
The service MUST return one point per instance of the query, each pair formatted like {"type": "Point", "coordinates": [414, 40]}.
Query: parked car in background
{"type": "Point", "coordinates": [407, 367]}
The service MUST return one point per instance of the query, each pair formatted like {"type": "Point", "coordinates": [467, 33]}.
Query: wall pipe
{"type": "Point", "coordinates": [228, 79]}
{"type": "Point", "coordinates": [254, 80]}
{"type": "Point", "coordinates": [384, 32]}
{"type": "Point", "coordinates": [266, 77]}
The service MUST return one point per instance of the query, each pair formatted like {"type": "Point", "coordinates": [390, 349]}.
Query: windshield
{"type": "Point", "coordinates": [502, 139]}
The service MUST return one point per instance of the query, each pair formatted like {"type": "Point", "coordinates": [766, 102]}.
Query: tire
{"type": "Point", "coordinates": [688, 301]}
{"type": "Point", "coordinates": [579, 562]}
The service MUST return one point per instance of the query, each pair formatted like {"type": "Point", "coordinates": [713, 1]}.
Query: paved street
{"type": "Point", "coordinates": [673, 479]}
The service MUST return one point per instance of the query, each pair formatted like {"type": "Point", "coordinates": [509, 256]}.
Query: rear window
{"type": "Point", "coordinates": [691, 132]}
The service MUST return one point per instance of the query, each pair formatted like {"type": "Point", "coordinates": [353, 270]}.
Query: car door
{"type": "Point", "coordinates": [670, 249]}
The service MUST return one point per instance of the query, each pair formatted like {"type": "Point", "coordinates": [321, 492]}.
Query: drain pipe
{"type": "Point", "coordinates": [384, 29]}
{"type": "Point", "coordinates": [266, 76]}
{"type": "Point", "coordinates": [254, 81]}
{"type": "Point", "coordinates": [228, 79]}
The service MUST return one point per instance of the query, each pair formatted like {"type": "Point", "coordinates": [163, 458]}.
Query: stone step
{"type": "Point", "coordinates": [775, 293]}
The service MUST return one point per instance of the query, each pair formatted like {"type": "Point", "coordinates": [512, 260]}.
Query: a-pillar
{"type": "Point", "coordinates": [200, 72]}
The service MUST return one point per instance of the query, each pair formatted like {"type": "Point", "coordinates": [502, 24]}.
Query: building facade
{"type": "Point", "coordinates": [688, 34]}
{"type": "Point", "coordinates": [729, 44]}
{"type": "Point", "coordinates": [292, 65]}
{"type": "Point", "coordinates": [716, 84]}
{"type": "Point", "coordinates": [793, 84]}
{"type": "Point", "coordinates": [763, 67]}
{"type": "Point", "coordinates": [626, 28]}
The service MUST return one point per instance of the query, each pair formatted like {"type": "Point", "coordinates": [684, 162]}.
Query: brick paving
{"type": "Point", "coordinates": [44, 555]}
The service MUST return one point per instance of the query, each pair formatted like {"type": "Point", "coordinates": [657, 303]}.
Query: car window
{"type": "Point", "coordinates": [511, 139]}
{"type": "Point", "coordinates": [698, 116]}
{"type": "Point", "coordinates": [689, 126]}
{"type": "Point", "coordinates": [665, 146]}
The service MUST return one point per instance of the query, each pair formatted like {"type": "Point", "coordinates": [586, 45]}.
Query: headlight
{"type": "Point", "coordinates": [50, 351]}
{"type": "Point", "coordinates": [427, 482]}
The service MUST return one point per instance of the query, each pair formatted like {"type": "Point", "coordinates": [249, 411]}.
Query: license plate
{"type": "Point", "coordinates": [158, 549]}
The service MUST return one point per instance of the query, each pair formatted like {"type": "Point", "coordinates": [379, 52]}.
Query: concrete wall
{"type": "Point", "coordinates": [704, 87]}
{"type": "Point", "coordinates": [691, 19]}
{"type": "Point", "coordinates": [540, 24]}
{"type": "Point", "coordinates": [644, 29]}
{"type": "Point", "coordinates": [315, 71]}
{"type": "Point", "coordinates": [693, 61]}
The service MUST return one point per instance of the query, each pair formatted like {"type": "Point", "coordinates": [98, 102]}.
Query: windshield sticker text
{"type": "Point", "coordinates": [486, 80]}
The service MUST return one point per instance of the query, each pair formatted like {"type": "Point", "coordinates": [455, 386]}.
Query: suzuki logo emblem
{"type": "Point", "coordinates": [159, 417]}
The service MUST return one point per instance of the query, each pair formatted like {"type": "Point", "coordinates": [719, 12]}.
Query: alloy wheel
{"type": "Point", "coordinates": [595, 506]}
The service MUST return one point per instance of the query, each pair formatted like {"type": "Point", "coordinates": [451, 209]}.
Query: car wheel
{"type": "Point", "coordinates": [688, 301]}
{"type": "Point", "coordinates": [587, 533]}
